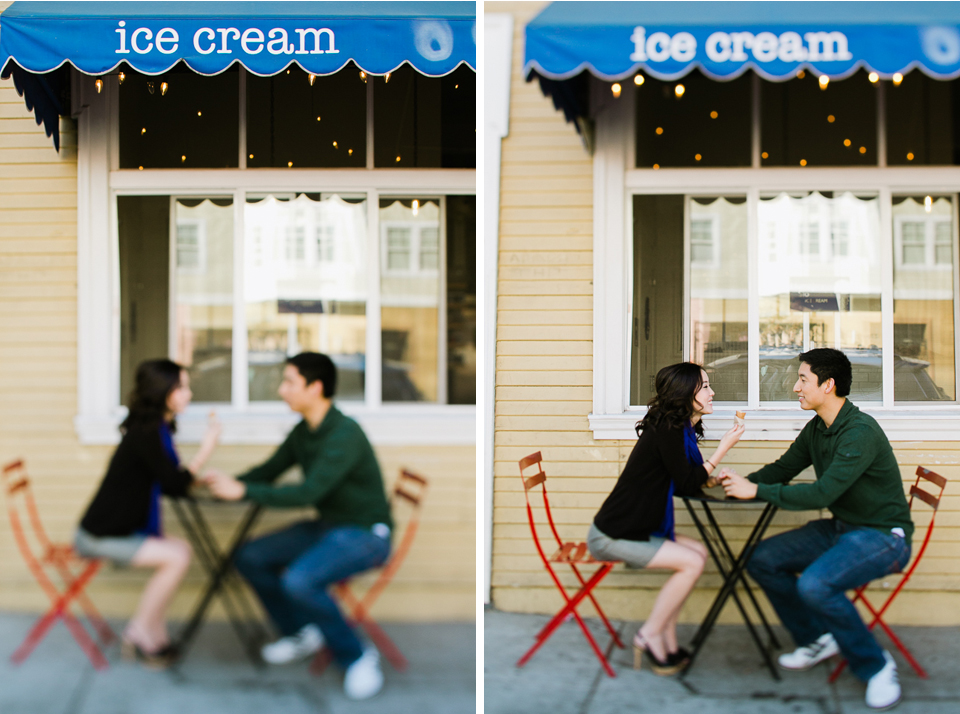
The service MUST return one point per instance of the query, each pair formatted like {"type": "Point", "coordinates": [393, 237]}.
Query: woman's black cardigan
{"type": "Point", "coordinates": [637, 504]}
{"type": "Point", "coordinates": [122, 504]}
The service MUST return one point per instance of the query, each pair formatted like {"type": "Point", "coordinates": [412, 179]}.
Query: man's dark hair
{"type": "Point", "coordinates": [827, 363]}
{"type": "Point", "coordinates": [313, 366]}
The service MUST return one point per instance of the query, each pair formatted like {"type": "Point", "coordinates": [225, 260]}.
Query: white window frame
{"type": "Point", "coordinates": [416, 228]}
{"type": "Point", "coordinates": [714, 221]}
{"type": "Point", "coordinates": [929, 243]}
{"type": "Point", "coordinates": [615, 181]}
{"type": "Point", "coordinates": [201, 226]}
{"type": "Point", "coordinates": [100, 181]}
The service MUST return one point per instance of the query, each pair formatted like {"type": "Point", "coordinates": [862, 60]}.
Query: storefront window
{"type": "Point", "coordinates": [806, 123]}
{"type": "Point", "coordinates": [293, 121]}
{"type": "Point", "coordinates": [718, 292]}
{"type": "Point", "coordinates": [819, 278]}
{"type": "Point", "coordinates": [179, 119]}
{"type": "Point", "coordinates": [692, 122]}
{"type": "Point", "coordinates": [461, 300]}
{"type": "Point", "coordinates": [426, 122]}
{"type": "Point", "coordinates": [923, 309]}
{"type": "Point", "coordinates": [921, 121]}
{"type": "Point", "coordinates": [304, 286]}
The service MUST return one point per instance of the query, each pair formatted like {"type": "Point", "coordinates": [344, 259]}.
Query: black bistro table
{"type": "Point", "coordinates": [224, 582]}
{"type": "Point", "coordinates": [731, 567]}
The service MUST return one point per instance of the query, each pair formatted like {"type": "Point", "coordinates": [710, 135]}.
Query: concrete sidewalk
{"type": "Point", "coordinates": [564, 677]}
{"type": "Point", "coordinates": [216, 677]}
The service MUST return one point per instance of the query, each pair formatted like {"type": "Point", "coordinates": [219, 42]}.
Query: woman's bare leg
{"type": "Point", "coordinates": [670, 632]}
{"type": "Point", "coordinates": [660, 628]}
{"type": "Point", "coordinates": [171, 558]}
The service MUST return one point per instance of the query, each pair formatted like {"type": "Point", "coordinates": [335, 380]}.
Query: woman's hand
{"type": "Point", "coordinates": [731, 437]}
{"type": "Point", "coordinates": [736, 486]}
{"type": "Point", "coordinates": [223, 486]}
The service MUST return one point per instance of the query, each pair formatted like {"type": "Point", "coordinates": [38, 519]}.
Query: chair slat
{"type": "Point", "coordinates": [534, 480]}
{"type": "Point", "coordinates": [13, 465]}
{"type": "Point", "coordinates": [530, 460]}
{"type": "Point", "coordinates": [928, 498]}
{"type": "Point", "coordinates": [413, 477]}
{"type": "Point", "coordinates": [931, 476]}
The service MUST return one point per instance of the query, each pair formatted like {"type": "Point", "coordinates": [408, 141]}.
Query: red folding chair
{"type": "Point", "coordinates": [409, 488]}
{"type": "Point", "coordinates": [41, 556]}
{"type": "Point", "coordinates": [934, 502]}
{"type": "Point", "coordinates": [569, 553]}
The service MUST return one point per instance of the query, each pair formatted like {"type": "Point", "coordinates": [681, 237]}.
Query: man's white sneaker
{"type": "Point", "coordinates": [363, 678]}
{"type": "Point", "coordinates": [294, 647]}
{"type": "Point", "coordinates": [809, 655]}
{"type": "Point", "coordinates": [883, 689]}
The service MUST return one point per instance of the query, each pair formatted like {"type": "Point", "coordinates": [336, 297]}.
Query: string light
{"type": "Point", "coordinates": [121, 77]}
{"type": "Point", "coordinates": [456, 86]}
{"type": "Point", "coordinates": [697, 157]}
{"type": "Point", "coordinates": [873, 77]}
{"type": "Point", "coordinates": [335, 145]}
{"type": "Point", "coordinates": [638, 80]}
{"type": "Point", "coordinates": [897, 78]}
{"type": "Point", "coordinates": [764, 155]}
{"type": "Point", "coordinates": [801, 74]}
{"type": "Point", "coordinates": [863, 149]}
{"type": "Point", "coordinates": [199, 114]}
{"type": "Point", "coordinates": [824, 81]}
{"type": "Point", "coordinates": [616, 88]}
{"type": "Point", "coordinates": [182, 159]}
{"type": "Point", "coordinates": [928, 204]}
{"type": "Point", "coordinates": [350, 152]}
{"type": "Point", "coordinates": [416, 207]}
{"type": "Point", "coordinates": [363, 76]}
{"type": "Point", "coordinates": [831, 118]}
{"type": "Point", "coordinates": [659, 130]}
{"type": "Point", "coordinates": [143, 131]}
{"type": "Point", "coordinates": [288, 71]}
{"type": "Point", "coordinates": [289, 164]}
{"type": "Point", "coordinates": [846, 142]}
{"type": "Point", "coordinates": [251, 156]}
{"type": "Point", "coordinates": [386, 77]}
{"type": "Point", "coordinates": [99, 84]}
{"type": "Point", "coordinates": [803, 162]}
{"type": "Point", "coordinates": [163, 88]}
{"type": "Point", "coordinates": [312, 78]}
{"type": "Point", "coordinates": [398, 159]}
{"type": "Point", "coordinates": [656, 167]}
{"type": "Point", "coordinates": [679, 90]}
{"type": "Point", "coordinates": [909, 156]}
{"type": "Point", "coordinates": [141, 168]}
{"type": "Point", "coordinates": [713, 114]}
{"type": "Point", "coordinates": [318, 118]}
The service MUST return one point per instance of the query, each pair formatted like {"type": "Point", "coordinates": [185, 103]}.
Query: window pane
{"type": "Point", "coordinates": [803, 124]}
{"type": "Point", "coordinates": [410, 301]}
{"type": "Point", "coordinates": [921, 116]}
{"type": "Point", "coordinates": [309, 302]}
{"type": "Point", "coordinates": [809, 299]}
{"type": "Point", "coordinates": [658, 291]}
{"type": "Point", "coordinates": [179, 120]}
{"type": "Point", "coordinates": [923, 330]}
{"type": "Point", "coordinates": [461, 299]}
{"type": "Point", "coordinates": [425, 121]}
{"type": "Point", "coordinates": [203, 322]}
{"type": "Point", "coordinates": [293, 123]}
{"type": "Point", "coordinates": [707, 125]}
{"type": "Point", "coordinates": [718, 297]}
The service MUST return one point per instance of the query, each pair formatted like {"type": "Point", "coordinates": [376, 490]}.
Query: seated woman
{"type": "Point", "coordinates": [635, 523]}
{"type": "Point", "coordinates": [122, 523]}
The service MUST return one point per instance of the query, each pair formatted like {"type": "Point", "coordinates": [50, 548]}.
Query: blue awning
{"type": "Point", "coordinates": [667, 40]}
{"type": "Point", "coordinates": [37, 38]}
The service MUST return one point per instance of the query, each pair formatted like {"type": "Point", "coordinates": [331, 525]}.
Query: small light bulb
{"type": "Point", "coordinates": [909, 156]}
{"type": "Point", "coordinates": [312, 78]}
{"type": "Point", "coordinates": [863, 149]}
{"type": "Point", "coordinates": [897, 78]}
{"type": "Point", "coordinates": [335, 145]}
{"type": "Point", "coordinates": [764, 155]}
{"type": "Point", "coordinates": [121, 77]}
{"type": "Point", "coordinates": [846, 142]}
{"type": "Point", "coordinates": [656, 166]}
{"type": "Point", "coordinates": [659, 130]}
{"type": "Point", "coordinates": [638, 80]}
{"type": "Point", "coordinates": [163, 88]}
{"type": "Point", "coordinates": [456, 86]}
{"type": "Point", "coordinates": [141, 168]}
{"type": "Point", "coordinates": [873, 77]}
{"type": "Point", "coordinates": [697, 157]}
{"type": "Point", "coordinates": [714, 115]}
{"type": "Point", "coordinates": [803, 162]}
{"type": "Point", "coordinates": [363, 76]}
{"type": "Point", "coordinates": [398, 159]}
{"type": "Point", "coordinates": [386, 77]}
{"type": "Point", "coordinates": [350, 152]}
{"type": "Point", "coordinates": [801, 74]}
{"type": "Point", "coordinates": [183, 158]}
{"type": "Point", "coordinates": [288, 71]}
{"type": "Point", "coordinates": [251, 156]}
{"type": "Point", "coordinates": [99, 85]}
{"type": "Point", "coordinates": [824, 81]}
{"type": "Point", "coordinates": [416, 207]}
{"type": "Point", "coordinates": [831, 118]}
{"type": "Point", "coordinates": [679, 90]}
{"type": "Point", "coordinates": [318, 118]}
{"type": "Point", "coordinates": [928, 204]}
{"type": "Point", "coordinates": [289, 164]}
{"type": "Point", "coordinates": [199, 114]}
{"type": "Point", "coordinates": [615, 88]}
{"type": "Point", "coordinates": [143, 131]}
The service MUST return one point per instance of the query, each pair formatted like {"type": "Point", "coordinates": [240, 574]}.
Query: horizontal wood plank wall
{"type": "Point", "coordinates": [38, 387]}
{"type": "Point", "coordinates": [544, 389]}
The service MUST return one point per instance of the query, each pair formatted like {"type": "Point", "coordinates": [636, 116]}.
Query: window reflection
{"type": "Point", "coordinates": [305, 286]}
{"type": "Point", "coordinates": [410, 298]}
{"type": "Point", "coordinates": [819, 280]}
{"type": "Point", "coordinates": [923, 329]}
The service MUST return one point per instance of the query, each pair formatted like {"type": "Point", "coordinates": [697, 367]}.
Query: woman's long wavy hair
{"type": "Point", "coordinates": [154, 382]}
{"type": "Point", "coordinates": [676, 386]}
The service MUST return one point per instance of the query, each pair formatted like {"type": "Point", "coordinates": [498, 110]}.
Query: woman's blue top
{"type": "Point", "coordinates": [154, 526]}
{"type": "Point", "coordinates": [666, 529]}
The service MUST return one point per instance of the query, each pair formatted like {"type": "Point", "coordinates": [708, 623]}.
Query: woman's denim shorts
{"type": "Point", "coordinates": [635, 553]}
{"type": "Point", "coordinates": [119, 549]}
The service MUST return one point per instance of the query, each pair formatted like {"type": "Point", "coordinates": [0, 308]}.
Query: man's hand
{"type": "Point", "coordinates": [736, 486]}
{"type": "Point", "coordinates": [223, 486]}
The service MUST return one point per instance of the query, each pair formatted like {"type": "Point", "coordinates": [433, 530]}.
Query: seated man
{"type": "Point", "coordinates": [292, 569]}
{"type": "Point", "coordinates": [806, 572]}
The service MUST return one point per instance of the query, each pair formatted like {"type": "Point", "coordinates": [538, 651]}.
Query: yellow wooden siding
{"type": "Point", "coordinates": [544, 384]}
{"type": "Point", "coordinates": [38, 388]}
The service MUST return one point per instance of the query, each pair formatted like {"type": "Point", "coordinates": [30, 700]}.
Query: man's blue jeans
{"type": "Point", "coordinates": [806, 573]}
{"type": "Point", "coordinates": [292, 569]}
